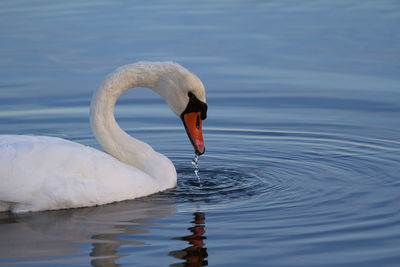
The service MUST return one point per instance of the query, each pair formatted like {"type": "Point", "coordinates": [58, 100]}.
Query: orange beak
{"type": "Point", "coordinates": [192, 122]}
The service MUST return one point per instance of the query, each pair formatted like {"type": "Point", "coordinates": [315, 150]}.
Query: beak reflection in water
{"type": "Point", "coordinates": [194, 255]}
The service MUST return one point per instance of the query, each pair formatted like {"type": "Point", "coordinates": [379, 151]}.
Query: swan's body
{"type": "Point", "coordinates": [46, 173]}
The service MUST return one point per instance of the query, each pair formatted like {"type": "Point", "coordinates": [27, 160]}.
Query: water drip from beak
{"type": "Point", "coordinates": [195, 163]}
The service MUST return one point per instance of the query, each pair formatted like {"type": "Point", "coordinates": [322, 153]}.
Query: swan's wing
{"type": "Point", "coordinates": [41, 173]}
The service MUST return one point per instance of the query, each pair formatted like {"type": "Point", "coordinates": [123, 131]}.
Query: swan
{"type": "Point", "coordinates": [40, 173]}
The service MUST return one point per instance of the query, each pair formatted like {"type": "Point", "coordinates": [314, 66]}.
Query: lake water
{"type": "Point", "coordinates": [302, 162]}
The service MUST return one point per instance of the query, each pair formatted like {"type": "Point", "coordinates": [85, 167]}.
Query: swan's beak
{"type": "Point", "coordinates": [192, 122]}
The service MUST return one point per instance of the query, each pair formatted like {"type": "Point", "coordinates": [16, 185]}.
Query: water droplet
{"type": "Point", "coordinates": [195, 163]}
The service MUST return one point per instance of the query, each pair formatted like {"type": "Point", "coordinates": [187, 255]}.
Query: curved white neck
{"type": "Point", "coordinates": [107, 131]}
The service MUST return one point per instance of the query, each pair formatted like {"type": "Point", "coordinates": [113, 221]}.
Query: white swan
{"type": "Point", "coordinates": [46, 173]}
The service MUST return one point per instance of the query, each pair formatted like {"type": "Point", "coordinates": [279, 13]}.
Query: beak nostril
{"type": "Point", "coordinates": [198, 122]}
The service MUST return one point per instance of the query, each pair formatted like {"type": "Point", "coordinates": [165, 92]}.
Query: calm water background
{"type": "Point", "coordinates": [302, 136]}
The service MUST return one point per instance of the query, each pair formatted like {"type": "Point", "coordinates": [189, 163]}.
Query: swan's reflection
{"type": "Point", "coordinates": [194, 255]}
{"type": "Point", "coordinates": [40, 237]}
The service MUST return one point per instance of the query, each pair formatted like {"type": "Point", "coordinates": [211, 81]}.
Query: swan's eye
{"type": "Point", "coordinates": [198, 122]}
{"type": "Point", "coordinates": [195, 105]}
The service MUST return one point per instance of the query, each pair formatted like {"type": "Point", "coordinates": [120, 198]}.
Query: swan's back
{"type": "Point", "coordinates": [45, 173]}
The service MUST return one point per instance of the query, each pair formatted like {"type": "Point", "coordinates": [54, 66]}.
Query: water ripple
{"type": "Point", "coordinates": [321, 178]}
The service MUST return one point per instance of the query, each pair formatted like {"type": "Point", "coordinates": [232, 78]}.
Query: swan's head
{"type": "Point", "coordinates": [186, 97]}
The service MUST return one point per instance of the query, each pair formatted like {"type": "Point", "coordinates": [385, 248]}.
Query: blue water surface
{"type": "Point", "coordinates": [302, 137]}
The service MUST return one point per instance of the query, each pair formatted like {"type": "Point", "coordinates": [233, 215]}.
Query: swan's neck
{"type": "Point", "coordinates": [107, 131]}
